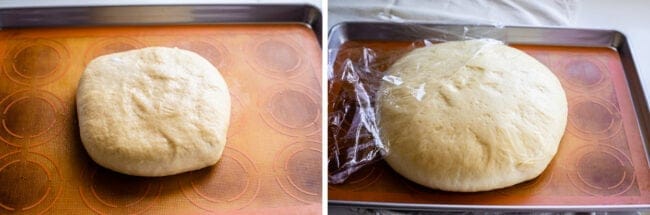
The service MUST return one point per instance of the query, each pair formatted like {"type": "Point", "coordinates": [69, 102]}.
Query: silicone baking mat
{"type": "Point", "coordinates": [272, 160]}
{"type": "Point", "coordinates": [601, 160]}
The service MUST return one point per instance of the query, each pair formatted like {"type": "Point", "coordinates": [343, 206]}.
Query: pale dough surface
{"type": "Point", "coordinates": [153, 112]}
{"type": "Point", "coordinates": [470, 116]}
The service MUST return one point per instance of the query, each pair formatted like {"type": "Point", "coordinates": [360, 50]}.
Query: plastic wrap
{"type": "Point", "coordinates": [353, 140]}
{"type": "Point", "coordinates": [357, 72]}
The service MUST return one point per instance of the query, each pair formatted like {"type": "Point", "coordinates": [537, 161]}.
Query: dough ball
{"type": "Point", "coordinates": [470, 116]}
{"type": "Point", "coordinates": [153, 111]}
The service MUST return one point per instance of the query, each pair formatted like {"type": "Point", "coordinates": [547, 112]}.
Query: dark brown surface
{"type": "Point", "coordinates": [272, 157]}
{"type": "Point", "coordinates": [601, 159]}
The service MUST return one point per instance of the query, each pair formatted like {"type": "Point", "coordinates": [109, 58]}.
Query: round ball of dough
{"type": "Point", "coordinates": [470, 116]}
{"type": "Point", "coordinates": [153, 111]}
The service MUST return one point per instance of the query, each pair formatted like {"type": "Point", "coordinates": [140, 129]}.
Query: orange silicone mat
{"type": "Point", "coordinates": [272, 160]}
{"type": "Point", "coordinates": [601, 159]}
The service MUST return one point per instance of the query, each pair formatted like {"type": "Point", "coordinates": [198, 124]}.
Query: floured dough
{"type": "Point", "coordinates": [153, 111]}
{"type": "Point", "coordinates": [470, 116]}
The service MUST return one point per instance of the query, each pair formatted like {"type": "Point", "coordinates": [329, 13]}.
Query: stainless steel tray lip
{"type": "Point", "coordinates": [434, 24]}
{"type": "Point", "coordinates": [501, 208]}
{"type": "Point", "coordinates": [607, 37]}
{"type": "Point", "coordinates": [81, 4]}
{"type": "Point", "coordinates": [78, 16]}
{"type": "Point", "coordinates": [340, 33]}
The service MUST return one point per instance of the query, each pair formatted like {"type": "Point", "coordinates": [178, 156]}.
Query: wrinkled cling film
{"type": "Point", "coordinates": [354, 80]}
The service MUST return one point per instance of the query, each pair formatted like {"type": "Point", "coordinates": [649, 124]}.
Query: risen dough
{"type": "Point", "coordinates": [470, 116]}
{"type": "Point", "coordinates": [153, 111]}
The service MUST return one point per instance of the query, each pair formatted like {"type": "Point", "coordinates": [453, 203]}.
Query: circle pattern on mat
{"type": "Point", "coordinates": [108, 192]}
{"type": "Point", "coordinates": [584, 74]}
{"type": "Point", "coordinates": [278, 58]}
{"type": "Point", "coordinates": [216, 53]}
{"type": "Point", "coordinates": [230, 184]}
{"type": "Point", "coordinates": [31, 183]}
{"type": "Point", "coordinates": [31, 117]}
{"type": "Point", "coordinates": [38, 62]}
{"type": "Point", "coordinates": [602, 170]}
{"type": "Point", "coordinates": [590, 118]}
{"type": "Point", "coordinates": [112, 45]}
{"type": "Point", "coordinates": [292, 110]}
{"type": "Point", "coordinates": [236, 115]}
{"type": "Point", "coordinates": [298, 171]}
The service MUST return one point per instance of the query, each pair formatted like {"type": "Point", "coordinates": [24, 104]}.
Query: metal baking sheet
{"type": "Point", "coordinates": [162, 15]}
{"type": "Point", "coordinates": [602, 163]}
{"type": "Point", "coordinates": [269, 55]}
